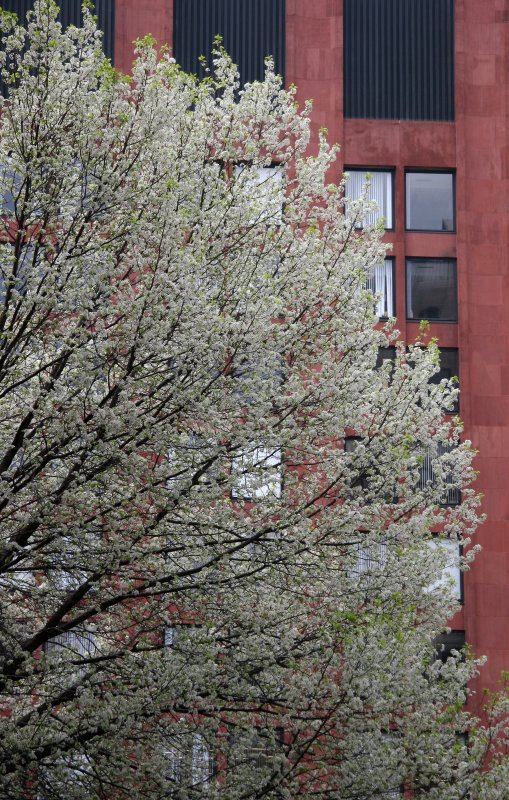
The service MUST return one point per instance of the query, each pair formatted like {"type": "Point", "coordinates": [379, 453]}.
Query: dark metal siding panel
{"type": "Point", "coordinates": [399, 59]}
{"type": "Point", "coordinates": [250, 29]}
{"type": "Point", "coordinates": [105, 10]}
{"type": "Point", "coordinates": [70, 14]}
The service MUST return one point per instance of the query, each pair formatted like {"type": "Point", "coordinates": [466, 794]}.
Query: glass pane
{"type": "Point", "coordinates": [431, 289]}
{"type": "Point", "coordinates": [379, 190]}
{"type": "Point", "coordinates": [429, 201]}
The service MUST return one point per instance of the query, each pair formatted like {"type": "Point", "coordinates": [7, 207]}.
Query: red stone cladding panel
{"type": "Point", "coordinates": [134, 20]}
{"type": "Point", "coordinates": [482, 81]}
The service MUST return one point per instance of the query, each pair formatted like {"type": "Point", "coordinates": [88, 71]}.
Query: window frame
{"type": "Point", "coordinates": [444, 643]}
{"type": "Point", "coordinates": [424, 171]}
{"type": "Point", "coordinates": [426, 476]}
{"type": "Point", "coordinates": [448, 544]}
{"type": "Point", "coordinates": [423, 259]}
{"type": "Point", "coordinates": [187, 761]}
{"type": "Point", "coordinates": [274, 172]}
{"type": "Point", "coordinates": [391, 262]}
{"type": "Point", "coordinates": [368, 171]}
{"type": "Point", "coordinates": [436, 379]}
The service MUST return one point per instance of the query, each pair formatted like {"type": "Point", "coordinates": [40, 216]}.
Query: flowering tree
{"type": "Point", "coordinates": [216, 505]}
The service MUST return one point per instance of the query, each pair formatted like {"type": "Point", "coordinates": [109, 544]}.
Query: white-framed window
{"type": "Point", "coordinates": [379, 188]}
{"type": "Point", "coordinates": [380, 282]}
{"type": "Point", "coordinates": [257, 473]}
{"type": "Point", "coordinates": [75, 643]}
{"type": "Point", "coordinates": [451, 572]}
{"type": "Point", "coordinates": [252, 379]}
{"type": "Point", "coordinates": [11, 183]}
{"type": "Point", "coordinates": [68, 573]}
{"type": "Point", "coordinates": [77, 646]}
{"type": "Point", "coordinates": [189, 761]}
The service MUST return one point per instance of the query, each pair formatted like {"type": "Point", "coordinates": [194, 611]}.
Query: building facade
{"type": "Point", "coordinates": [417, 94]}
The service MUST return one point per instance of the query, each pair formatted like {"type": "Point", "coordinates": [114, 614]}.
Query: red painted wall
{"type": "Point", "coordinates": [477, 146]}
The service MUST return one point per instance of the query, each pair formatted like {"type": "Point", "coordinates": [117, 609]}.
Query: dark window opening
{"type": "Point", "coordinates": [447, 642]}
{"type": "Point", "coordinates": [430, 201]}
{"type": "Point", "coordinates": [431, 291]}
{"type": "Point", "coordinates": [385, 354]}
{"type": "Point", "coordinates": [448, 369]}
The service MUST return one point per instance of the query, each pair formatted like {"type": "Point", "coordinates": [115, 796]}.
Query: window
{"type": "Point", "coordinates": [257, 748]}
{"type": "Point", "coordinates": [431, 289]}
{"type": "Point", "coordinates": [361, 479]}
{"type": "Point", "coordinates": [430, 201]}
{"type": "Point", "coordinates": [427, 476]}
{"type": "Point", "coordinates": [75, 642]}
{"type": "Point", "coordinates": [254, 380]}
{"type": "Point", "coordinates": [447, 642]}
{"type": "Point", "coordinates": [178, 637]}
{"type": "Point", "coordinates": [266, 185]}
{"type": "Point", "coordinates": [379, 189]}
{"type": "Point", "coordinates": [451, 576]}
{"type": "Point", "coordinates": [67, 776]}
{"type": "Point", "coordinates": [392, 759]}
{"type": "Point", "coordinates": [381, 283]}
{"type": "Point", "coordinates": [257, 473]}
{"type": "Point", "coordinates": [73, 646]}
{"type": "Point", "coordinates": [448, 369]}
{"type": "Point", "coordinates": [196, 459]}
{"type": "Point", "coordinates": [189, 761]}
{"type": "Point", "coordinates": [386, 354]}
{"type": "Point", "coordinates": [12, 184]}
{"type": "Point", "coordinates": [369, 560]}
{"type": "Point", "coordinates": [70, 14]}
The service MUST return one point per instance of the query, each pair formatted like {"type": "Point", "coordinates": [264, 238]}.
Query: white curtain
{"type": "Point", "coordinates": [380, 190]}
{"type": "Point", "coordinates": [380, 283]}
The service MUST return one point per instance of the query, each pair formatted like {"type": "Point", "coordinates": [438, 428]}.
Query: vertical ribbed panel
{"type": "Point", "coordinates": [399, 59]}
{"type": "Point", "coordinates": [105, 10]}
{"type": "Point", "coordinates": [70, 14]}
{"type": "Point", "coordinates": [250, 29]}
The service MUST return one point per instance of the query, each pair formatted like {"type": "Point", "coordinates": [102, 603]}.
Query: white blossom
{"type": "Point", "coordinates": [182, 357]}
